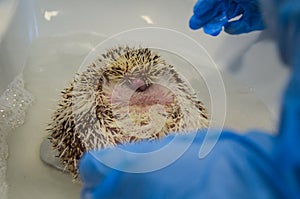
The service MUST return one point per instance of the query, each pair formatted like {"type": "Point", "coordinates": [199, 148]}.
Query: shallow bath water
{"type": "Point", "coordinates": [50, 67]}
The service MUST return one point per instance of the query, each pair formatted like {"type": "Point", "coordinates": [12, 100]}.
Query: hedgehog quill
{"type": "Point", "coordinates": [127, 95]}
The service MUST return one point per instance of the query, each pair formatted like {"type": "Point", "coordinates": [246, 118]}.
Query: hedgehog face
{"type": "Point", "coordinates": [139, 87]}
{"type": "Point", "coordinates": [137, 92]}
{"type": "Point", "coordinates": [133, 89]}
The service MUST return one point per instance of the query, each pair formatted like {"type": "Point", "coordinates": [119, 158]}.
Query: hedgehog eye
{"type": "Point", "coordinates": [143, 88]}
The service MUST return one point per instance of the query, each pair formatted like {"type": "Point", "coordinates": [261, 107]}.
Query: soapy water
{"type": "Point", "coordinates": [50, 67]}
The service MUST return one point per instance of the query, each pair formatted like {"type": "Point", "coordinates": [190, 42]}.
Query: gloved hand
{"type": "Point", "coordinates": [213, 15]}
{"type": "Point", "coordinates": [239, 166]}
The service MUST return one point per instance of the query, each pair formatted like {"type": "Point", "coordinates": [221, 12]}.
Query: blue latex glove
{"type": "Point", "coordinates": [239, 166]}
{"type": "Point", "coordinates": [213, 15]}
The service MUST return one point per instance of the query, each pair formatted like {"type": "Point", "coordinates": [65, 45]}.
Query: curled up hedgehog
{"type": "Point", "coordinates": [127, 95]}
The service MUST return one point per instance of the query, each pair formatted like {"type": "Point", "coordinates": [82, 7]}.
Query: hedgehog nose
{"type": "Point", "coordinates": [139, 85]}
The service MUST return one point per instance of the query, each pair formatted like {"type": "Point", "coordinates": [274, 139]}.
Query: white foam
{"type": "Point", "coordinates": [14, 103]}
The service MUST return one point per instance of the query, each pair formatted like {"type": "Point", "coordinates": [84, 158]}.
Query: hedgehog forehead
{"type": "Point", "coordinates": [134, 63]}
{"type": "Point", "coordinates": [120, 74]}
{"type": "Point", "coordinates": [130, 71]}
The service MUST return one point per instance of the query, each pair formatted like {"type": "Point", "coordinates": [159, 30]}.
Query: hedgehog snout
{"type": "Point", "coordinates": [139, 85]}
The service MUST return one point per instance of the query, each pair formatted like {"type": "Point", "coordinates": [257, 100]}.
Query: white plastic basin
{"type": "Point", "coordinates": [41, 37]}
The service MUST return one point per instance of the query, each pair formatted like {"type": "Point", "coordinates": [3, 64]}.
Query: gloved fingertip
{"type": "Point", "coordinates": [212, 32]}
{"type": "Point", "coordinates": [213, 28]}
{"type": "Point", "coordinates": [195, 23]}
{"type": "Point", "coordinates": [89, 172]}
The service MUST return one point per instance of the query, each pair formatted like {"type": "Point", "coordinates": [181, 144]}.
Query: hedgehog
{"type": "Point", "coordinates": [127, 95]}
